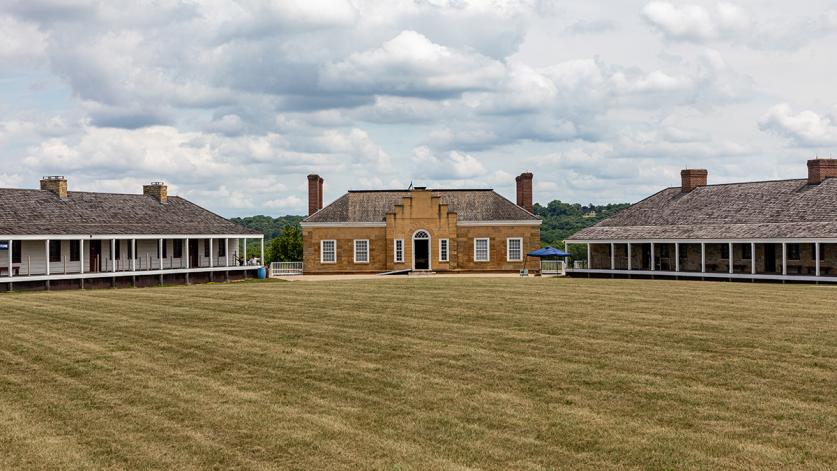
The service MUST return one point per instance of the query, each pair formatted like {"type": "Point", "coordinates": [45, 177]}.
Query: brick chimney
{"type": "Point", "coordinates": [820, 169]}
{"type": "Point", "coordinates": [315, 194]}
{"type": "Point", "coordinates": [55, 184]}
{"type": "Point", "coordinates": [692, 178]}
{"type": "Point", "coordinates": [157, 190]}
{"type": "Point", "coordinates": [524, 191]}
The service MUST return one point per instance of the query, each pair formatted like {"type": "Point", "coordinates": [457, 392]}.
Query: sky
{"type": "Point", "coordinates": [233, 103]}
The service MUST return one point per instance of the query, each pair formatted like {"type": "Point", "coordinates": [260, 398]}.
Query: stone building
{"type": "Point", "coordinates": [55, 238]}
{"type": "Point", "coordinates": [420, 230]}
{"type": "Point", "coordinates": [769, 230]}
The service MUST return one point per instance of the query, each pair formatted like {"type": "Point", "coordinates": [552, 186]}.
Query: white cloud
{"type": "Point", "coordinates": [696, 22]}
{"type": "Point", "coordinates": [806, 128]}
{"type": "Point", "coordinates": [21, 43]}
{"type": "Point", "coordinates": [452, 166]}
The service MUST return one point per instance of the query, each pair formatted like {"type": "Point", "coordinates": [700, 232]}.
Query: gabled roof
{"type": "Point", "coordinates": [373, 206]}
{"type": "Point", "coordinates": [758, 210]}
{"type": "Point", "coordinates": [39, 212]}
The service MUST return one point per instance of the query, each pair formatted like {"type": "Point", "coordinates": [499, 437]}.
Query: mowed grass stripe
{"type": "Point", "coordinates": [450, 373]}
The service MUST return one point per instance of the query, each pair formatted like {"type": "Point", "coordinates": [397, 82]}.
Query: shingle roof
{"type": "Point", "coordinates": [38, 212]}
{"type": "Point", "coordinates": [757, 210]}
{"type": "Point", "coordinates": [469, 205]}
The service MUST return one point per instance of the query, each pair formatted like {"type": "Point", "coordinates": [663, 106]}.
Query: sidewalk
{"type": "Point", "coordinates": [397, 277]}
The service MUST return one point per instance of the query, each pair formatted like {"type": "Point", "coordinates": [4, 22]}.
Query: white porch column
{"type": "Point", "coordinates": [188, 254]}
{"type": "Point", "coordinates": [817, 257]}
{"type": "Point", "coordinates": [612, 256]}
{"type": "Point", "coordinates": [244, 250]}
{"type": "Point", "coordinates": [81, 256]}
{"type": "Point", "coordinates": [703, 257]}
{"type": "Point", "coordinates": [160, 251]}
{"type": "Point", "coordinates": [589, 253]}
{"type": "Point", "coordinates": [784, 258]}
{"type": "Point", "coordinates": [11, 250]}
{"type": "Point", "coordinates": [629, 256]}
{"type": "Point", "coordinates": [677, 256]}
{"type": "Point", "coordinates": [227, 252]}
{"type": "Point", "coordinates": [753, 258]}
{"type": "Point", "coordinates": [133, 254]}
{"type": "Point", "coordinates": [653, 257]}
{"type": "Point", "coordinates": [113, 255]}
{"type": "Point", "coordinates": [261, 259]}
{"type": "Point", "coordinates": [731, 269]}
{"type": "Point", "coordinates": [211, 254]}
{"type": "Point", "coordinates": [46, 251]}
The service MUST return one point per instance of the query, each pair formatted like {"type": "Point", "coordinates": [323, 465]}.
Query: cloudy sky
{"type": "Point", "coordinates": [232, 103]}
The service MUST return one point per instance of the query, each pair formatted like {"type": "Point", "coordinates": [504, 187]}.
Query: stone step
{"type": "Point", "coordinates": [422, 273]}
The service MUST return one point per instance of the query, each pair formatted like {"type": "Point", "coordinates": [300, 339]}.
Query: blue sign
{"type": "Point", "coordinates": [4, 246]}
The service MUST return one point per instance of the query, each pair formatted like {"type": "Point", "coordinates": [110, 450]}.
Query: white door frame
{"type": "Point", "coordinates": [429, 240]}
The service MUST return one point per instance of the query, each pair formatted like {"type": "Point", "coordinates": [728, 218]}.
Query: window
{"type": "Point", "coordinates": [222, 248]}
{"type": "Point", "coordinates": [793, 251]}
{"type": "Point", "coordinates": [165, 250]}
{"type": "Point", "coordinates": [75, 250]}
{"type": "Point", "coordinates": [747, 252]}
{"type": "Point", "coordinates": [328, 251]}
{"type": "Point", "coordinates": [664, 251]}
{"type": "Point", "coordinates": [361, 251]}
{"type": "Point", "coordinates": [444, 255]}
{"type": "Point", "coordinates": [481, 250]}
{"type": "Point", "coordinates": [684, 252]}
{"type": "Point", "coordinates": [118, 250]}
{"type": "Point", "coordinates": [399, 251]}
{"type": "Point", "coordinates": [206, 248]}
{"type": "Point", "coordinates": [16, 251]}
{"type": "Point", "coordinates": [724, 251]}
{"type": "Point", "coordinates": [176, 248]}
{"type": "Point", "coordinates": [514, 249]}
{"type": "Point", "coordinates": [54, 251]}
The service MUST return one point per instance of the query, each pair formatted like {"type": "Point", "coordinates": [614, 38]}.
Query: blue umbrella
{"type": "Point", "coordinates": [545, 252]}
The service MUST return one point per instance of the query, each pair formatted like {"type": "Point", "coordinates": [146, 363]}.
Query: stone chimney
{"type": "Point", "coordinates": [524, 191]}
{"type": "Point", "coordinates": [315, 194]}
{"type": "Point", "coordinates": [157, 190]}
{"type": "Point", "coordinates": [820, 169]}
{"type": "Point", "coordinates": [55, 184]}
{"type": "Point", "coordinates": [692, 178]}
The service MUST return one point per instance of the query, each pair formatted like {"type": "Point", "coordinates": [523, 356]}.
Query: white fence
{"type": "Point", "coordinates": [553, 267]}
{"type": "Point", "coordinates": [580, 264]}
{"type": "Point", "coordinates": [285, 269]}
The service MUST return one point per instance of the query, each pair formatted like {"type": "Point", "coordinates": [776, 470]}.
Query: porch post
{"type": "Point", "coordinates": [188, 255]}
{"type": "Point", "coordinates": [81, 256]}
{"type": "Point", "coordinates": [653, 257]}
{"type": "Point", "coordinates": [589, 253]}
{"type": "Point", "coordinates": [612, 256]}
{"type": "Point", "coordinates": [46, 249]}
{"type": "Point", "coordinates": [629, 256]}
{"type": "Point", "coordinates": [244, 250]}
{"type": "Point", "coordinates": [677, 257]}
{"type": "Point", "coordinates": [133, 254]}
{"type": "Point", "coordinates": [731, 270]}
{"type": "Point", "coordinates": [261, 259]}
{"type": "Point", "coordinates": [784, 258]}
{"type": "Point", "coordinates": [160, 251]}
{"type": "Point", "coordinates": [703, 257]}
{"type": "Point", "coordinates": [113, 255]}
{"type": "Point", "coordinates": [817, 257]}
{"type": "Point", "coordinates": [753, 257]}
{"type": "Point", "coordinates": [211, 254]}
{"type": "Point", "coordinates": [11, 250]}
{"type": "Point", "coordinates": [227, 252]}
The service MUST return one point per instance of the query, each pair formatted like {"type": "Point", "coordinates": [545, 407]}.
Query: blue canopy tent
{"type": "Point", "coordinates": [549, 253]}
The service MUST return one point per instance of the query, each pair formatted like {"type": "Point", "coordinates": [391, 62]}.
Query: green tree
{"type": "Point", "coordinates": [287, 247]}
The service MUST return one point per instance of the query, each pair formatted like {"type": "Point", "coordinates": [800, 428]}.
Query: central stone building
{"type": "Point", "coordinates": [420, 230]}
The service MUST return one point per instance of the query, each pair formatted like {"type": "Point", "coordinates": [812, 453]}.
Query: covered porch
{"type": "Point", "coordinates": [790, 259]}
{"type": "Point", "coordinates": [29, 258]}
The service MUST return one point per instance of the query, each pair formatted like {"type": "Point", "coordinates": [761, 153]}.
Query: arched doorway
{"type": "Point", "coordinates": [421, 250]}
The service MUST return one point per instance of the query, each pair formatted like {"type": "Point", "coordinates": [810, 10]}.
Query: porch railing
{"type": "Point", "coordinates": [285, 269]}
{"type": "Point", "coordinates": [553, 267]}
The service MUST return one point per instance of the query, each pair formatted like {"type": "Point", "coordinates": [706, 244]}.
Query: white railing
{"type": "Point", "coordinates": [285, 269]}
{"type": "Point", "coordinates": [580, 264]}
{"type": "Point", "coordinates": [553, 267]}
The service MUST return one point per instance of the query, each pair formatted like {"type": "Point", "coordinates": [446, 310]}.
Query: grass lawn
{"type": "Point", "coordinates": [425, 374]}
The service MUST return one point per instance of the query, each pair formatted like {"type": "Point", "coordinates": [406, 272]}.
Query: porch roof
{"type": "Point", "coordinates": [39, 212]}
{"type": "Point", "coordinates": [782, 209]}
